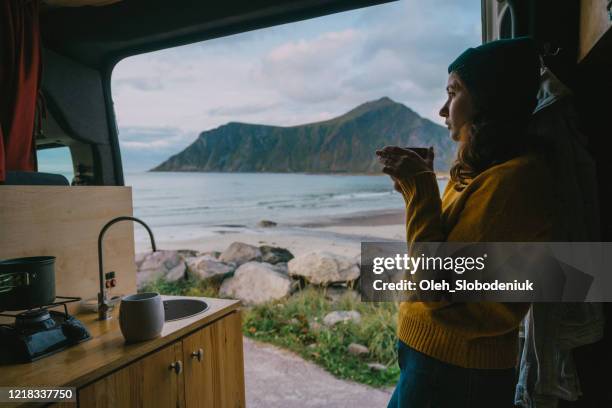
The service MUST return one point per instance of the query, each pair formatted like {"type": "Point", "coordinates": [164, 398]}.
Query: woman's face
{"type": "Point", "coordinates": [458, 110]}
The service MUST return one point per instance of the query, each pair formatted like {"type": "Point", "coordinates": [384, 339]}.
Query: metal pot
{"type": "Point", "coordinates": [26, 283]}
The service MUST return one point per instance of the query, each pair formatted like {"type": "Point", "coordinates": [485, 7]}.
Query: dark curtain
{"type": "Point", "coordinates": [20, 72]}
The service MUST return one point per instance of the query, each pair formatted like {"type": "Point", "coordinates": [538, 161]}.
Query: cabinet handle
{"type": "Point", "coordinates": [177, 366]}
{"type": "Point", "coordinates": [198, 354]}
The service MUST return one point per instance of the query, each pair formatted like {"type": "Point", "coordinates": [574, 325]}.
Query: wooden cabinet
{"type": "Point", "coordinates": [214, 365]}
{"type": "Point", "coordinates": [203, 369]}
{"type": "Point", "coordinates": [199, 368]}
{"type": "Point", "coordinates": [149, 382]}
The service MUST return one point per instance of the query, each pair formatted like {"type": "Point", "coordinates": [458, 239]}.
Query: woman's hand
{"type": "Point", "coordinates": [401, 163]}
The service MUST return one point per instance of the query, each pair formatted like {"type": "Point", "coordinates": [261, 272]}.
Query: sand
{"type": "Point", "coordinates": [337, 234]}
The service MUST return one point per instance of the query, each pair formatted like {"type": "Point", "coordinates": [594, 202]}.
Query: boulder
{"type": "Point", "coordinates": [324, 268]}
{"type": "Point", "coordinates": [255, 283]}
{"type": "Point", "coordinates": [214, 254]}
{"type": "Point", "coordinates": [266, 224]}
{"type": "Point", "coordinates": [282, 268]}
{"type": "Point", "coordinates": [274, 255]}
{"type": "Point", "coordinates": [240, 253]}
{"type": "Point", "coordinates": [187, 253]}
{"type": "Point", "coordinates": [169, 265]}
{"type": "Point", "coordinates": [336, 317]}
{"type": "Point", "coordinates": [358, 350]}
{"type": "Point", "coordinates": [139, 259]}
{"type": "Point", "coordinates": [207, 267]}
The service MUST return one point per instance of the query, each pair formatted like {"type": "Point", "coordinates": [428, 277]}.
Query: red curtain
{"type": "Point", "coordinates": [20, 71]}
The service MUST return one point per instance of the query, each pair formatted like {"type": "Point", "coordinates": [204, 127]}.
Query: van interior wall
{"type": "Point", "coordinates": [555, 25]}
{"type": "Point", "coordinates": [592, 89]}
{"type": "Point", "coordinates": [75, 98]}
{"type": "Point", "coordinates": [558, 25]}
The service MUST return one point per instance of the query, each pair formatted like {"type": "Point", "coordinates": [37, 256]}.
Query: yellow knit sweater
{"type": "Point", "coordinates": [508, 202]}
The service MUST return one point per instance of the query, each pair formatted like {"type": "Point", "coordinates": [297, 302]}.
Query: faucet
{"type": "Point", "coordinates": [104, 309]}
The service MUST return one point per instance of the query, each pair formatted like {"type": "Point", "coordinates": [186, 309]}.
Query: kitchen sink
{"type": "Point", "coordinates": [176, 309]}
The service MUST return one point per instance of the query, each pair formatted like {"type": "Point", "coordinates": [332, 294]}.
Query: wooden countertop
{"type": "Point", "coordinates": [106, 351]}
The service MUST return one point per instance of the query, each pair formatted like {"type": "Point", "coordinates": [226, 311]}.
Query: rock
{"type": "Point", "coordinates": [282, 268]}
{"type": "Point", "coordinates": [214, 254]}
{"type": "Point", "coordinates": [161, 259]}
{"type": "Point", "coordinates": [169, 265]}
{"type": "Point", "coordinates": [240, 253]}
{"type": "Point", "coordinates": [177, 273]}
{"type": "Point", "coordinates": [275, 255]}
{"type": "Point", "coordinates": [266, 224]}
{"type": "Point", "coordinates": [336, 317]}
{"type": "Point", "coordinates": [207, 267]}
{"type": "Point", "coordinates": [256, 283]}
{"type": "Point", "coordinates": [324, 268]}
{"type": "Point", "coordinates": [139, 259]}
{"type": "Point", "coordinates": [356, 349]}
{"type": "Point", "coordinates": [187, 253]}
{"type": "Point", "coordinates": [335, 293]}
{"type": "Point", "coordinates": [377, 367]}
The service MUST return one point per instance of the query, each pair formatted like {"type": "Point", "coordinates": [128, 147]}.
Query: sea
{"type": "Point", "coordinates": [192, 205]}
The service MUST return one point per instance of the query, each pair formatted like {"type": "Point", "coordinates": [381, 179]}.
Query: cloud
{"type": "Point", "coordinates": [241, 110]}
{"type": "Point", "coordinates": [166, 139]}
{"type": "Point", "coordinates": [294, 73]}
{"type": "Point", "coordinates": [141, 84]}
{"type": "Point", "coordinates": [408, 47]}
{"type": "Point", "coordinates": [307, 71]}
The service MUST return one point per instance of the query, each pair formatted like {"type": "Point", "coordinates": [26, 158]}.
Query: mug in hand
{"type": "Point", "coordinates": [423, 152]}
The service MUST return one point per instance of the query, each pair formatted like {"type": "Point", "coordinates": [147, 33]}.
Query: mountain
{"type": "Point", "coordinates": [345, 144]}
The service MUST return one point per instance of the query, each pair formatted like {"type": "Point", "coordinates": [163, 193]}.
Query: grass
{"type": "Point", "coordinates": [296, 324]}
{"type": "Point", "coordinates": [286, 324]}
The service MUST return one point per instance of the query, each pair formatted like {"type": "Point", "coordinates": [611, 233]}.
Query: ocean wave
{"type": "Point", "coordinates": [362, 195]}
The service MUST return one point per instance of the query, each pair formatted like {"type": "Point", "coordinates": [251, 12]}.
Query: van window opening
{"type": "Point", "coordinates": [284, 76]}
{"type": "Point", "coordinates": [57, 160]}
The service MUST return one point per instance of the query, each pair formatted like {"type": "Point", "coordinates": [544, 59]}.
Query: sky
{"type": "Point", "coordinates": [291, 74]}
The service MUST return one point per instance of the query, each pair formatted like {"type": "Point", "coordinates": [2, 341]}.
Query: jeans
{"type": "Point", "coordinates": [426, 382]}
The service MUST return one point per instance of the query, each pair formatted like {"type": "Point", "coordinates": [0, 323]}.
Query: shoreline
{"type": "Point", "coordinates": [361, 218]}
{"type": "Point", "coordinates": [441, 175]}
{"type": "Point", "coordinates": [339, 234]}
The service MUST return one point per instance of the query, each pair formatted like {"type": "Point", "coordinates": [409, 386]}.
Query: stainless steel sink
{"type": "Point", "coordinates": [177, 309]}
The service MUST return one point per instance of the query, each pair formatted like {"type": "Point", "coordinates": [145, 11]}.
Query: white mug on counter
{"type": "Point", "coordinates": [141, 316]}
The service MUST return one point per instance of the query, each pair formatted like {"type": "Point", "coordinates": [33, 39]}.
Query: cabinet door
{"type": "Point", "coordinates": [198, 356]}
{"type": "Point", "coordinates": [149, 382]}
{"type": "Point", "coordinates": [218, 379]}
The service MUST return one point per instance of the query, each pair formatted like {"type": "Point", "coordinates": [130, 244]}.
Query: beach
{"type": "Point", "coordinates": [340, 234]}
{"type": "Point", "coordinates": [209, 211]}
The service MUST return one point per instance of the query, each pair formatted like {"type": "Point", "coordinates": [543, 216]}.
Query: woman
{"type": "Point", "coordinates": [464, 354]}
